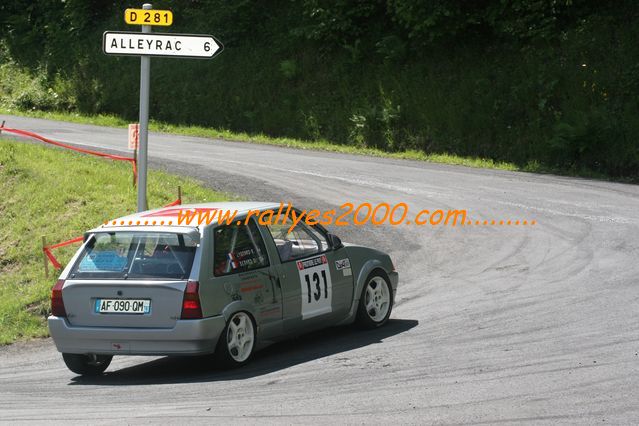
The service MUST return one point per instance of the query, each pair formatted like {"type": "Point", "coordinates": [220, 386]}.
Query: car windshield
{"type": "Point", "coordinates": [154, 255]}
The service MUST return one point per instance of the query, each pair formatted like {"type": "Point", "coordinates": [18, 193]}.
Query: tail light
{"type": "Point", "coordinates": [191, 308]}
{"type": "Point", "coordinates": [57, 304]}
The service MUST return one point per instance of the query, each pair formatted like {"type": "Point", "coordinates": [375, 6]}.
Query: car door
{"type": "Point", "coordinates": [314, 292]}
{"type": "Point", "coordinates": [242, 270]}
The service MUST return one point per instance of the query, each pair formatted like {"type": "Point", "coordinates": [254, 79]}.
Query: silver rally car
{"type": "Point", "coordinates": [146, 285]}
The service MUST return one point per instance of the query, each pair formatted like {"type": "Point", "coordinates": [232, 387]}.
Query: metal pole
{"type": "Point", "coordinates": [145, 77]}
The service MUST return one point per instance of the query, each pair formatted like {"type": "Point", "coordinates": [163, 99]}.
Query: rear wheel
{"type": "Point", "coordinates": [376, 301]}
{"type": "Point", "coordinates": [237, 341]}
{"type": "Point", "coordinates": [87, 365]}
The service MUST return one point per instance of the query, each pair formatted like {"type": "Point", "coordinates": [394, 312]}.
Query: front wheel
{"type": "Point", "coordinates": [237, 341]}
{"type": "Point", "coordinates": [87, 365]}
{"type": "Point", "coordinates": [376, 302]}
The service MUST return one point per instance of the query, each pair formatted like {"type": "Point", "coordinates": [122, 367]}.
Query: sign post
{"type": "Point", "coordinates": [146, 44]}
{"type": "Point", "coordinates": [145, 84]}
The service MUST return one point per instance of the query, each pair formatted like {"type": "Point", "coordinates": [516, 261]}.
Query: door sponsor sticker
{"type": "Point", "coordinates": [344, 265]}
{"type": "Point", "coordinates": [316, 285]}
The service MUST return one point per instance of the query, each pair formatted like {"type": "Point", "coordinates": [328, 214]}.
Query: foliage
{"type": "Point", "coordinates": [550, 82]}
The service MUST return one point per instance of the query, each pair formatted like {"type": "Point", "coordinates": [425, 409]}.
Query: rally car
{"type": "Point", "coordinates": [145, 284]}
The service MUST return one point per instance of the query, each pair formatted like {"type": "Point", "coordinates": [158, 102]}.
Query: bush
{"type": "Point", "coordinates": [550, 82]}
{"type": "Point", "coordinates": [21, 90]}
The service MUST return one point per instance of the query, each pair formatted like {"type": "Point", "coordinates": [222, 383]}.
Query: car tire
{"type": "Point", "coordinates": [375, 302]}
{"type": "Point", "coordinates": [87, 365]}
{"type": "Point", "coordinates": [236, 344]}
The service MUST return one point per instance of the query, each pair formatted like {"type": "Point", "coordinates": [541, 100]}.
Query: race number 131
{"type": "Point", "coordinates": [316, 286]}
{"type": "Point", "coordinates": [315, 293]}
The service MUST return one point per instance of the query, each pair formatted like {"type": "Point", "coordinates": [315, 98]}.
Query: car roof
{"type": "Point", "coordinates": [167, 216]}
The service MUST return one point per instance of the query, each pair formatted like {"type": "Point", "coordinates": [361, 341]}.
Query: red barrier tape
{"type": "Point", "coordinates": [73, 148]}
{"type": "Point", "coordinates": [51, 257]}
{"type": "Point", "coordinates": [174, 203]}
{"type": "Point", "coordinates": [66, 243]}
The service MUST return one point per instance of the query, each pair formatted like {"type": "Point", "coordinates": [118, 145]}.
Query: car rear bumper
{"type": "Point", "coordinates": [188, 337]}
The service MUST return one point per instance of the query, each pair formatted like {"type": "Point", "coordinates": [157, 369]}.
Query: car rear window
{"type": "Point", "coordinates": [152, 255]}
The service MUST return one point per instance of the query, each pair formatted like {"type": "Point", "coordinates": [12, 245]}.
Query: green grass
{"type": "Point", "coordinates": [320, 145]}
{"type": "Point", "coordinates": [60, 194]}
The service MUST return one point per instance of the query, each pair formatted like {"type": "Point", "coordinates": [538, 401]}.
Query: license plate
{"type": "Point", "coordinates": [122, 306]}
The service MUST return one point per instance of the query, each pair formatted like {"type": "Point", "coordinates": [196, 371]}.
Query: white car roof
{"type": "Point", "coordinates": [167, 216]}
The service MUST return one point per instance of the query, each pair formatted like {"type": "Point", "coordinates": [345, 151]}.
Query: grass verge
{"type": "Point", "coordinates": [60, 194]}
{"type": "Point", "coordinates": [320, 145]}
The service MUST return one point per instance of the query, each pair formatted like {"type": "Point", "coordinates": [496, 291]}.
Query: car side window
{"type": "Point", "coordinates": [300, 242]}
{"type": "Point", "coordinates": [238, 248]}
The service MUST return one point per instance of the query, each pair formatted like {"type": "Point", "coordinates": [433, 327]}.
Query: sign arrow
{"type": "Point", "coordinates": [161, 44]}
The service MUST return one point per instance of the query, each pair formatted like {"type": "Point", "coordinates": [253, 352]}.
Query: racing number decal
{"type": "Point", "coordinates": [317, 294]}
{"type": "Point", "coordinates": [316, 286]}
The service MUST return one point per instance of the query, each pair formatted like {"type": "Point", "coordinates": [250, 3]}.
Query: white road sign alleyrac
{"type": "Point", "coordinates": [160, 44]}
{"type": "Point", "coordinates": [146, 44]}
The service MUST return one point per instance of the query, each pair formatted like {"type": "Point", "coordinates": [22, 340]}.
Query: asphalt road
{"type": "Point", "coordinates": [493, 324]}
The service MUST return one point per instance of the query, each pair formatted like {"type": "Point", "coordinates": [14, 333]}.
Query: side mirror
{"type": "Point", "coordinates": [334, 241]}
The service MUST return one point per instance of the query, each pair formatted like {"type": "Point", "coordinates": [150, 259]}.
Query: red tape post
{"type": "Point", "coordinates": [73, 148]}
{"type": "Point", "coordinates": [51, 257]}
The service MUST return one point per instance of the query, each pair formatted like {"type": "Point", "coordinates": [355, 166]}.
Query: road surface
{"type": "Point", "coordinates": [493, 324]}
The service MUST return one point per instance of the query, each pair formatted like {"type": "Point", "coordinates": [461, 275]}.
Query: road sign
{"type": "Point", "coordinates": [148, 17]}
{"type": "Point", "coordinates": [134, 135]}
{"type": "Point", "coordinates": [146, 44]}
{"type": "Point", "coordinates": [160, 44]}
